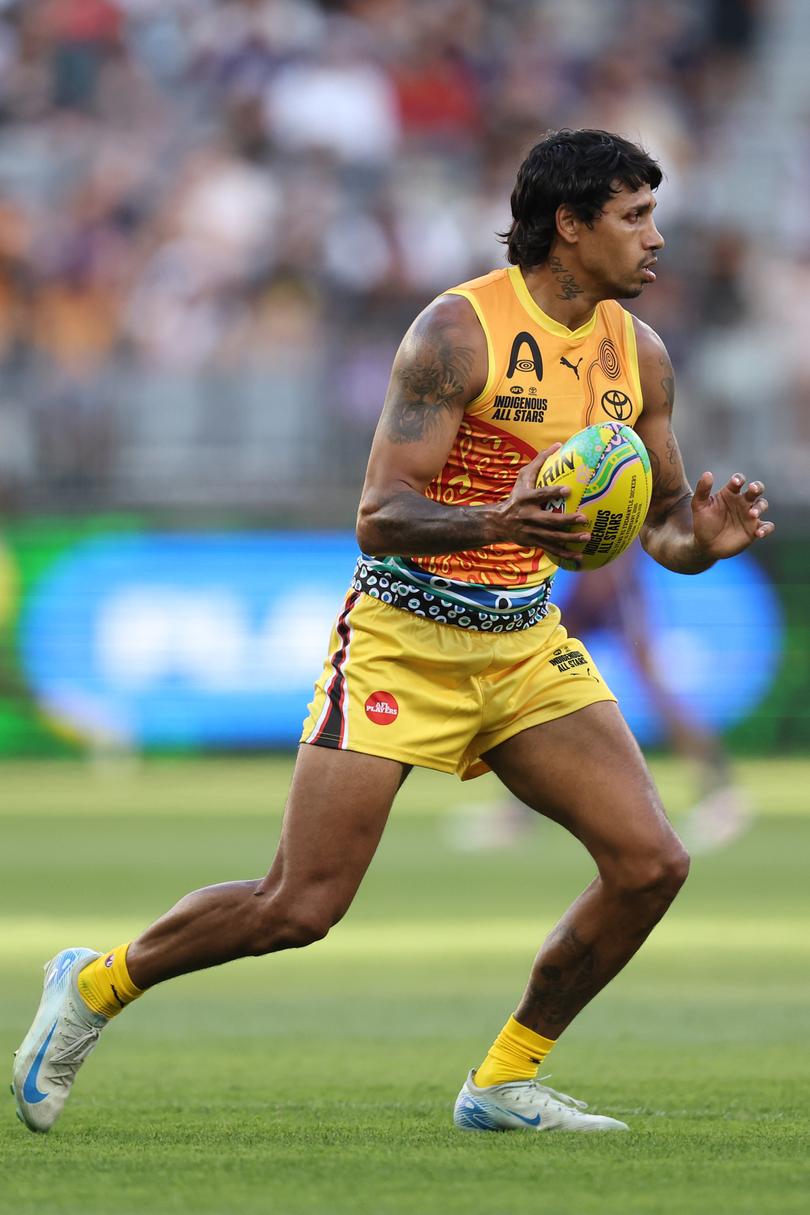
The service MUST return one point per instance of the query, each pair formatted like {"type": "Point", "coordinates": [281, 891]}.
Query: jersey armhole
{"type": "Point", "coordinates": [632, 350]}
{"type": "Point", "coordinates": [490, 380]}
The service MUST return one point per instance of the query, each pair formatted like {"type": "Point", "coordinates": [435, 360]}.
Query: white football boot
{"type": "Point", "coordinates": [525, 1105]}
{"type": "Point", "coordinates": [63, 1033]}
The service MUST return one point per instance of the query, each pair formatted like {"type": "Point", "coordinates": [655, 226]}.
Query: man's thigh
{"type": "Point", "coordinates": [538, 675]}
{"type": "Point", "coordinates": [586, 771]}
{"type": "Point", "coordinates": [335, 815]}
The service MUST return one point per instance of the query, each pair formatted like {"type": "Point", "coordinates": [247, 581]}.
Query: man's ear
{"type": "Point", "coordinates": [568, 224]}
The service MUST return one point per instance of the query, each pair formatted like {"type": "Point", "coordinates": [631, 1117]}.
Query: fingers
{"type": "Point", "coordinates": [703, 488]}
{"type": "Point", "coordinates": [529, 471]}
{"type": "Point", "coordinates": [754, 495]}
{"type": "Point", "coordinates": [560, 552]}
{"type": "Point", "coordinates": [754, 490]}
{"type": "Point", "coordinates": [753, 503]}
{"type": "Point", "coordinates": [563, 540]}
{"type": "Point", "coordinates": [734, 485]}
{"type": "Point", "coordinates": [542, 456]}
{"type": "Point", "coordinates": [557, 522]}
{"type": "Point", "coordinates": [559, 535]}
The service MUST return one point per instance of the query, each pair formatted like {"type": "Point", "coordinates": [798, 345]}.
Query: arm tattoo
{"type": "Point", "coordinates": [668, 385]}
{"type": "Point", "coordinates": [428, 384]}
{"type": "Point", "coordinates": [668, 485]}
{"type": "Point", "coordinates": [569, 287]}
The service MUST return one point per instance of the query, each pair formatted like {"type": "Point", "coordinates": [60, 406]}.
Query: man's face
{"type": "Point", "coordinates": [619, 250]}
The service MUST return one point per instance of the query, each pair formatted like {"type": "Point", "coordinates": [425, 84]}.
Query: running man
{"type": "Point", "coordinates": [448, 653]}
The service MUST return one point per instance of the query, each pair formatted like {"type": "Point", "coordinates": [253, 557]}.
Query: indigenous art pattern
{"type": "Point", "coordinates": [482, 468]}
{"type": "Point", "coordinates": [463, 604]}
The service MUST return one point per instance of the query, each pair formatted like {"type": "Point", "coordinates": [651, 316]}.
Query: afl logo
{"type": "Point", "coordinates": [517, 363]}
{"type": "Point", "coordinates": [617, 404]}
{"type": "Point", "coordinates": [382, 708]}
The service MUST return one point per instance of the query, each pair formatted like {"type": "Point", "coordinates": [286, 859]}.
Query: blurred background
{"type": "Point", "coordinates": [217, 219]}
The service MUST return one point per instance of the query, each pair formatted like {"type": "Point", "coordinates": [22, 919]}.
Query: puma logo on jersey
{"type": "Point", "coordinates": [575, 368]}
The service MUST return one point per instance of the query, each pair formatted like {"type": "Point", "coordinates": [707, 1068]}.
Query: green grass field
{"type": "Point", "coordinates": [323, 1081]}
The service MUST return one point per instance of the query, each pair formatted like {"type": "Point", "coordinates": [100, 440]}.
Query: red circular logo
{"type": "Point", "coordinates": [382, 708]}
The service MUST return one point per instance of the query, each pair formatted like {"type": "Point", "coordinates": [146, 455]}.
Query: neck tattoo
{"type": "Point", "coordinates": [569, 287]}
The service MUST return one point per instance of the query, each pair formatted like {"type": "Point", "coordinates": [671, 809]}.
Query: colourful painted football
{"type": "Point", "coordinates": [608, 470]}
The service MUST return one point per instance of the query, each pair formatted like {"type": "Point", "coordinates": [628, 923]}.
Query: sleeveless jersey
{"type": "Point", "coordinates": [544, 383]}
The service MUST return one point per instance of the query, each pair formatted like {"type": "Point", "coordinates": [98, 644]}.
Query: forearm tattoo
{"type": "Point", "coordinates": [669, 487]}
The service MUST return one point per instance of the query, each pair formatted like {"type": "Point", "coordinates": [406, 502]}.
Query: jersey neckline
{"type": "Point", "coordinates": [542, 318]}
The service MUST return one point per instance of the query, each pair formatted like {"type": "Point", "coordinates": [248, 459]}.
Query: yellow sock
{"type": "Point", "coordinates": [515, 1054]}
{"type": "Point", "coordinates": [105, 985]}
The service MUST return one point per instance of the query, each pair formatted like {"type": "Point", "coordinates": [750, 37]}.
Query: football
{"type": "Point", "coordinates": [607, 469]}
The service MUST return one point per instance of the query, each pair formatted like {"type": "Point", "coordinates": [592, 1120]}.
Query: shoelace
{"type": "Point", "coordinates": [564, 1098]}
{"type": "Point", "coordinates": [65, 1062]}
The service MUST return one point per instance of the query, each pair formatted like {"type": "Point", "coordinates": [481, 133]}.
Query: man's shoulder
{"type": "Point", "coordinates": [649, 344]}
{"type": "Point", "coordinates": [654, 365]}
{"type": "Point", "coordinates": [492, 278]}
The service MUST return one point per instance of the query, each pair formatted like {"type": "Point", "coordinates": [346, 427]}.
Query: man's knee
{"type": "Point", "coordinates": [293, 923]}
{"type": "Point", "coordinates": [657, 872]}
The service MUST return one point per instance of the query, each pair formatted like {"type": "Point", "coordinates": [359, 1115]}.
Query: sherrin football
{"type": "Point", "coordinates": [607, 469]}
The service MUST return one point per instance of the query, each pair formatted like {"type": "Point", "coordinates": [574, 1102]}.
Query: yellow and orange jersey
{"type": "Point", "coordinates": [545, 382]}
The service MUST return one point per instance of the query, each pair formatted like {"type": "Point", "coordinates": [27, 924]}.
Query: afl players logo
{"type": "Point", "coordinates": [617, 404]}
{"type": "Point", "coordinates": [524, 343]}
{"type": "Point", "coordinates": [382, 708]}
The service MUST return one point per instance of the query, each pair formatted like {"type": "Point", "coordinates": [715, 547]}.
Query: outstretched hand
{"type": "Point", "coordinates": [730, 520]}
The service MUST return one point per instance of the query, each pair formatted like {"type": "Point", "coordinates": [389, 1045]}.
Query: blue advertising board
{"type": "Point", "coordinates": [215, 640]}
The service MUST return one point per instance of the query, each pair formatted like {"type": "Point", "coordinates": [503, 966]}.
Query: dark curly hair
{"type": "Point", "coordinates": [581, 168]}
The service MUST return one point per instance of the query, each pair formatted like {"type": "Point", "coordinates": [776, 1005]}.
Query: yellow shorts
{"type": "Point", "coordinates": [406, 688]}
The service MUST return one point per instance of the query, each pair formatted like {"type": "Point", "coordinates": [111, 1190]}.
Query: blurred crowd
{"type": "Point", "coordinates": [218, 216]}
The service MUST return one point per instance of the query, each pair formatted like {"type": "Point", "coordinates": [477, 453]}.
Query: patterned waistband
{"type": "Point", "coordinates": [390, 586]}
